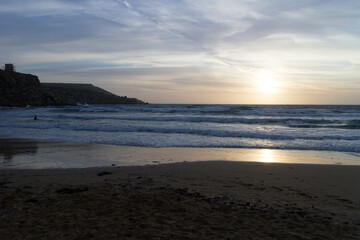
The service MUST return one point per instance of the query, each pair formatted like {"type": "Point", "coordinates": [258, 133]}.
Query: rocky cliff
{"type": "Point", "coordinates": [20, 90]}
{"type": "Point", "coordinates": [86, 93]}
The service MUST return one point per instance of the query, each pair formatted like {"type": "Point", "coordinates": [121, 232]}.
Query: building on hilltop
{"type": "Point", "coordinates": [9, 67]}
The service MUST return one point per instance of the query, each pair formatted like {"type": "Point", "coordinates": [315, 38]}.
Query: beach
{"type": "Point", "coordinates": [191, 200]}
{"type": "Point", "coordinates": [180, 172]}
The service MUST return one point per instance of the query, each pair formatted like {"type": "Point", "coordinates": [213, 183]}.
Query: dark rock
{"type": "Point", "coordinates": [72, 190]}
{"type": "Point", "coordinates": [301, 213]}
{"type": "Point", "coordinates": [103, 173]}
{"type": "Point", "coordinates": [86, 93]}
{"type": "Point", "coordinates": [20, 90]}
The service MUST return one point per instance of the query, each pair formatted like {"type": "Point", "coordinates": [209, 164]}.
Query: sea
{"type": "Point", "coordinates": [290, 127]}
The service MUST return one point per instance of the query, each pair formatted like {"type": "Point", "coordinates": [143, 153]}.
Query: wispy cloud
{"type": "Point", "coordinates": [218, 45]}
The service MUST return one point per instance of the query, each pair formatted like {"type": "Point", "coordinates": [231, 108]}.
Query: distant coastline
{"type": "Point", "coordinates": [20, 90]}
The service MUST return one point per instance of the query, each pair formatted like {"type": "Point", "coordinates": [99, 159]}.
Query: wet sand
{"type": "Point", "coordinates": [201, 200]}
{"type": "Point", "coordinates": [30, 154]}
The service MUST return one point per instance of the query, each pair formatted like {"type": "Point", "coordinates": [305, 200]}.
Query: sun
{"type": "Point", "coordinates": [266, 82]}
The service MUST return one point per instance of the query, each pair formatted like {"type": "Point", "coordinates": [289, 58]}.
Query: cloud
{"type": "Point", "coordinates": [182, 43]}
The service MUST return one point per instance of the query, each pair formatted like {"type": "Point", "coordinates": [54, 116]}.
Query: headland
{"type": "Point", "coordinates": [20, 90]}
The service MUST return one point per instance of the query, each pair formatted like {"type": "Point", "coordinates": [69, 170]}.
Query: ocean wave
{"type": "Point", "coordinates": [291, 116]}
{"type": "Point", "coordinates": [282, 121]}
{"type": "Point", "coordinates": [214, 110]}
{"type": "Point", "coordinates": [249, 126]}
{"type": "Point", "coordinates": [241, 133]}
{"type": "Point", "coordinates": [147, 108]}
{"type": "Point", "coordinates": [148, 139]}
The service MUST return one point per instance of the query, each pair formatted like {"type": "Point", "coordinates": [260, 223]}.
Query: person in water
{"type": "Point", "coordinates": [35, 117]}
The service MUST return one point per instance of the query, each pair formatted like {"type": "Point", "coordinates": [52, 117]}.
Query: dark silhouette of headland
{"type": "Point", "coordinates": [20, 90]}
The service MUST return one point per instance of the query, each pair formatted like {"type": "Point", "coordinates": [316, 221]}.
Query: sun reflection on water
{"type": "Point", "coordinates": [266, 155]}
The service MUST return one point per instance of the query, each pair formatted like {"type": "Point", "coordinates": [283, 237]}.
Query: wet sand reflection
{"type": "Point", "coordinates": [10, 148]}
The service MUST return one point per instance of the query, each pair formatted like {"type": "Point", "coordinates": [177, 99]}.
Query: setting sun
{"type": "Point", "coordinates": [266, 83]}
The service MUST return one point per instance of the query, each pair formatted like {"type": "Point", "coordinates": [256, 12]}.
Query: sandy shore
{"type": "Point", "coordinates": [203, 200]}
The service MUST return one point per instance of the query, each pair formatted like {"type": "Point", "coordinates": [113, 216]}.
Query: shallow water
{"type": "Point", "coordinates": [29, 154]}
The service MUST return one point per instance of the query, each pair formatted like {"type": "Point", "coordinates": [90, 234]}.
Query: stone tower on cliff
{"type": "Point", "coordinates": [9, 67]}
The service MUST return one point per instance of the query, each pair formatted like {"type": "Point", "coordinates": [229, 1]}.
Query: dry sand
{"type": "Point", "coordinates": [202, 200]}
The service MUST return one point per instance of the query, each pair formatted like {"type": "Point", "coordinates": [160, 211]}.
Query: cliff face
{"type": "Point", "coordinates": [20, 90]}
{"type": "Point", "coordinates": [86, 93]}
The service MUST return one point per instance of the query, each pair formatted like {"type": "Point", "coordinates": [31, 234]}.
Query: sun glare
{"type": "Point", "coordinates": [266, 83]}
{"type": "Point", "coordinates": [266, 156]}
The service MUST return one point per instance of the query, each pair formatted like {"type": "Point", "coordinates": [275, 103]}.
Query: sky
{"type": "Point", "coordinates": [191, 51]}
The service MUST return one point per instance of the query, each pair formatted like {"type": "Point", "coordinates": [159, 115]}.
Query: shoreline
{"type": "Point", "coordinates": [33, 154]}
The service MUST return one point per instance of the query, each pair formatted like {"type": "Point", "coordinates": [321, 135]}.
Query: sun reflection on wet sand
{"type": "Point", "coordinates": [24, 154]}
{"type": "Point", "coordinates": [266, 155]}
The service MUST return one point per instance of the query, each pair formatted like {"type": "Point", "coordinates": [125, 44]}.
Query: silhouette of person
{"type": "Point", "coordinates": [35, 117]}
